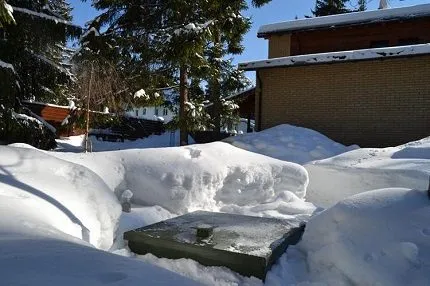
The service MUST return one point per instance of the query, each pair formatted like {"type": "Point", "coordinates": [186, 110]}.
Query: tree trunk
{"type": "Point", "coordinates": [216, 88]}
{"type": "Point", "coordinates": [87, 127]}
{"type": "Point", "coordinates": [183, 97]}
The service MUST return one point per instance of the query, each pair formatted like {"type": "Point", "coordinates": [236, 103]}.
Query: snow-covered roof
{"type": "Point", "coordinates": [346, 19]}
{"type": "Point", "coordinates": [354, 55]}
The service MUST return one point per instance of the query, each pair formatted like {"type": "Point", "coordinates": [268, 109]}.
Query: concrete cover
{"type": "Point", "coordinates": [247, 245]}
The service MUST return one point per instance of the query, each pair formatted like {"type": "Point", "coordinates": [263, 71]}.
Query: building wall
{"type": "Point", "coordinates": [356, 37]}
{"type": "Point", "coordinates": [279, 45]}
{"type": "Point", "coordinates": [149, 113]}
{"type": "Point", "coordinates": [370, 103]}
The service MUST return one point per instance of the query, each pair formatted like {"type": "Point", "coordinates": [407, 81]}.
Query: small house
{"type": "Point", "coordinates": [359, 78]}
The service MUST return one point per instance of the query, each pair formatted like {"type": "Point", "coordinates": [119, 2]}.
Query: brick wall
{"type": "Point", "coordinates": [370, 103]}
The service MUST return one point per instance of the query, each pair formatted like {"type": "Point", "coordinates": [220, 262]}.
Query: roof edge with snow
{"type": "Point", "coordinates": [373, 16]}
{"type": "Point", "coordinates": [334, 57]}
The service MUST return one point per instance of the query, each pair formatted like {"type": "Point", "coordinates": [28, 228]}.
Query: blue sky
{"type": "Point", "coordinates": [276, 11]}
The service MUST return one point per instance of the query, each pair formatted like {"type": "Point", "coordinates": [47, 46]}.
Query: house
{"type": "Point", "coordinates": [152, 113]}
{"type": "Point", "coordinates": [360, 78]}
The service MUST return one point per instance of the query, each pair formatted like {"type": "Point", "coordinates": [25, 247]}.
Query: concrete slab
{"type": "Point", "coordinates": [245, 244]}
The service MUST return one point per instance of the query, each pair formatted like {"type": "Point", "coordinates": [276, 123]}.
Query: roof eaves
{"type": "Point", "coordinates": [336, 57]}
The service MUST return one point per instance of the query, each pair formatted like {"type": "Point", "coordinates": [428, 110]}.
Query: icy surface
{"type": "Point", "coordinates": [289, 143]}
{"type": "Point", "coordinates": [345, 19]}
{"type": "Point", "coordinates": [248, 235]}
{"type": "Point", "coordinates": [353, 55]}
{"type": "Point", "coordinates": [375, 238]}
{"type": "Point", "coordinates": [215, 177]}
{"type": "Point", "coordinates": [334, 179]}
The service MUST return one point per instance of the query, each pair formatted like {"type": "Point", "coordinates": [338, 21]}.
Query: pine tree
{"type": "Point", "coordinates": [330, 7]}
{"type": "Point", "coordinates": [32, 54]}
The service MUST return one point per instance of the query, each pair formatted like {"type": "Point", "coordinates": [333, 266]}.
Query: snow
{"type": "Point", "coordinates": [44, 16]}
{"type": "Point", "coordinates": [374, 238]}
{"type": "Point", "coordinates": [289, 143]}
{"type": "Point", "coordinates": [9, 11]}
{"type": "Point", "coordinates": [58, 210]}
{"type": "Point", "coordinates": [6, 66]}
{"type": "Point", "coordinates": [76, 143]}
{"type": "Point", "coordinates": [406, 166]}
{"type": "Point", "coordinates": [353, 55]}
{"type": "Point", "coordinates": [91, 30]}
{"type": "Point", "coordinates": [347, 19]}
{"type": "Point", "coordinates": [214, 177]}
{"type": "Point", "coordinates": [84, 207]}
{"type": "Point", "coordinates": [141, 93]}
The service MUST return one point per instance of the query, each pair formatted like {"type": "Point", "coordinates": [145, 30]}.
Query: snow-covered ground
{"type": "Point", "coordinates": [76, 143]}
{"type": "Point", "coordinates": [60, 219]}
{"type": "Point", "coordinates": [290, 143]}
{"type": "Point", "coordinates": [405, 166]}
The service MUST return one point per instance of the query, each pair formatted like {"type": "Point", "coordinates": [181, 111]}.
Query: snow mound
{"type": "Point", "coordinates": [27, 260]}
{"type": "Point", "coordinates": [380, 237]}
{"type": "Point", "coordinates": [211, 177]}
{"type": "Point", "coordinates": [289, 143]}
{"type": "Point", "coordinates": [361, 170]}
{"type": "Point", "coordinates": [37, 187]}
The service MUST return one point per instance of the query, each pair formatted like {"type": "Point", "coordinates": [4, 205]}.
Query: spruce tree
{"type": "Point", "coordinates": [35, 46]}
{"type": "Point", "coordinates": [330, 7]}
{"type": "Point", "coordinates": [178, 42]}
{"type": "Point", "coordinates": [32, 57]}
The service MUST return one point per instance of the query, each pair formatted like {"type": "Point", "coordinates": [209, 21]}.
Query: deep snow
{"type": "Point", "coordinates": [215, 177]}
{"type": "Point", "coordinates": [290, 143]}
{"type": "Point", "coordinates": [47, 205]}
{"type": "Point", "coordinates": [406, 166]}
{"type": "Point", "coordinates": [375, 238]}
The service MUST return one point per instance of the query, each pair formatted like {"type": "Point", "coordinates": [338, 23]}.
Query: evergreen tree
{"type": "Point", "coordinates": [330, 7]}
{"type": "Point", "coordinates": [32, 54]}
{"type": "Point", "coordinates": [362, 5]}
{"type": "Point", "coordinates": [35, 46]}
{"type": "Point", "coordinates": [176, 43]}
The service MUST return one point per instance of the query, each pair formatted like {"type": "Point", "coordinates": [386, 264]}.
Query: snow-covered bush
{"type": "Point", "coordinates": [22, 128]}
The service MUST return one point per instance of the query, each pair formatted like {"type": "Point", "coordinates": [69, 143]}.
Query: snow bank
{"type": "Point", "coordinates": [213, 177]}
{"type": "Point", "coordinates": [76, 143]}
{"type": "Point", "coordinates": [58, 195]}
{"type": "Point", "coordinates": [376, 238]}
{"type": "Point", "coordinates": [361, 170]}
{"type": "Point", "coordinates": [289, 143]}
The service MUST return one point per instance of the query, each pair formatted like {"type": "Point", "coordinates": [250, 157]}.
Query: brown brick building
{"type": "Point", "coordinates": [359, 78]}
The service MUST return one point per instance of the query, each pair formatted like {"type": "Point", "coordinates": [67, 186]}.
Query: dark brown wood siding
{"type": "Point", "coordinates": [361, 36]}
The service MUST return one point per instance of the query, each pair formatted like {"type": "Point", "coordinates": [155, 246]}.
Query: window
{"type": "Point", "coordinates": [409, 41]}
{"type": "Point", "coordinates": [156, 111]}
{"type": "Point", "coordinates": [137, 112]}
{"type": "Point", "coordinates": [144, 111]}
{"type": "Point", "coordinates": [165, 111]}
{"type": "Point", "coordinates": [379, 44]}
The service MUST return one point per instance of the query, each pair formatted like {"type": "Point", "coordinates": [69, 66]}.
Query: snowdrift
{"type": "Point", "coordinates": [361, 170]}
{"type": "Point", "coordinates": [380, 237]}
{"type": "Point", "coordinates": [215, 177]}
{"type": "Point", "coordinates": [289, 143]}
{"type": "Point", "coordinates": [37, 187]}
